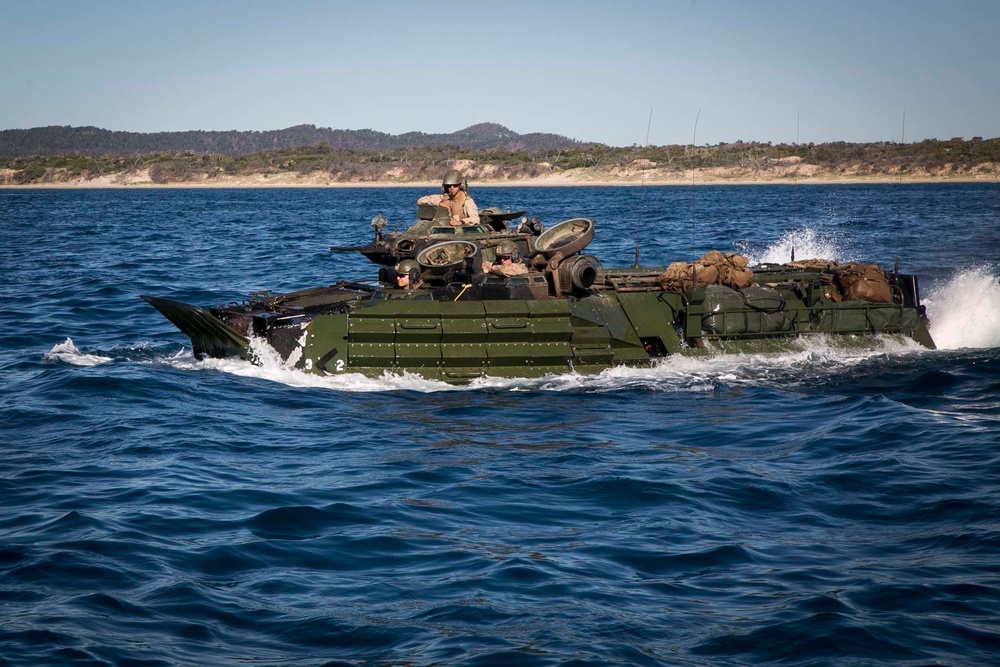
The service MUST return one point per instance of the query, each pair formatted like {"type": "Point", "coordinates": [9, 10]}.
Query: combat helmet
{"type": "Point", "coordinates": [506, 248]}
{"type": "Point", "coordinates": [454, 177]}
{"type": "Point", "coordinates": [408, 267]}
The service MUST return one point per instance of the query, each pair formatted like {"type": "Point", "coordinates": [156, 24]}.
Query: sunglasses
{"type": "Point", "coordinates": [504, 257]}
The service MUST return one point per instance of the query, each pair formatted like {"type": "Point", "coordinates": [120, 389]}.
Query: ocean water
{"type": "Point", "coordinates": [828, 507]}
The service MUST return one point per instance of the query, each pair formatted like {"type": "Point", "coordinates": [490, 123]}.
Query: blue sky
{"type": "Point", "coordinates": [708, 70]}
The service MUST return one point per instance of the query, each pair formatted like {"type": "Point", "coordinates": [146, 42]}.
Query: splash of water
{"type": "Point", "coordinates": [819, 356]}
{"type": "Point", "coordinates": [965, 311]}
{"type": "Point", "coordinates": [68, 353]}
{"type": "Point", "coordinates": [269, 365]}
{"type": "Point", "coordinates": [807, 244]}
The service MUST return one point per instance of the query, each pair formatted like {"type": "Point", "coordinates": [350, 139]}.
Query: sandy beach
{"type": "Point", "coordinates": [571, 178]}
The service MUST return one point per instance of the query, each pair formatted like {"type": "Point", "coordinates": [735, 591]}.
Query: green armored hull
{"type": "Point", "coordinates": [565, 314]}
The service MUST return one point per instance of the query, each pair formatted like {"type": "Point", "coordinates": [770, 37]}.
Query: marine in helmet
{"type": "Point", "coordinates": [507, 263]}
{"type": "Point", "coordinates": [408, 275]}
{"type": "Point", "coordinates": [455, 197]}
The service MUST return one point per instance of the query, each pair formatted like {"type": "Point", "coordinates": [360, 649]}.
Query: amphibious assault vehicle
{"type": "Point", "coordinates": [564, 313]}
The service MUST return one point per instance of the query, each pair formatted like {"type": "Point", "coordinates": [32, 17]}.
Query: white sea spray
{"type": "Point", "coordinates": [965, 311]}
{"type": "Point", "coordinates": [67, 352]}
{"type": "Point", "coordinates": [805, 243]}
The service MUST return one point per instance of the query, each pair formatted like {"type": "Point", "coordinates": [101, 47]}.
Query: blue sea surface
{"type": "Point", "coordinates": [825, 507]}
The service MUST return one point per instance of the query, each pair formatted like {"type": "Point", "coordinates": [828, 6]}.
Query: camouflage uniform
{"type": "Point", "coordinates": [462, 208]}
{"type": "Point", "coordinates": [505, 250]}
{"type": "Point", "coordinates": [498, 268]}
{"type": "Point", "coordinates": [512, 269]}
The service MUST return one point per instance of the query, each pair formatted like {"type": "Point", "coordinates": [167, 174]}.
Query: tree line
{"type": "Point", "coordinates": [953, 157]}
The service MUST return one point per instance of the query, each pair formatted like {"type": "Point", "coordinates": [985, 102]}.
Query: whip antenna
{"type": "Point", "coordinates": [795, 180]}
{"type": "Point", "coordinates": [694, 145]}
{"type": "Point", "coordinates": [899, 184]}
{"type": "Point", "coordinates": [642, 182]}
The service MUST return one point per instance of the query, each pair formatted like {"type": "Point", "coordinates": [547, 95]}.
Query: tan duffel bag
{"type": "Point", "coordinates": [863, 281]}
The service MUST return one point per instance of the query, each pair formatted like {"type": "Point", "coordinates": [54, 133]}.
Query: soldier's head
{"type": "Point", "coordinates": [453, 182]}
{"type": "Point", "coordinates": [407, 273]}
{"type": "Point", "coordinates": [506, 252]}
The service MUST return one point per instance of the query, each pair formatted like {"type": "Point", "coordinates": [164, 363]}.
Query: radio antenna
{"type": "Point", "coordinates": [899, 185]}
{"type": "Point", "coordinates": [694, 145]}
{"type": "Point", "coordinates": [795, 180]}
{"type": "Point", "coordinates": [642, 183]}
{"type": "Point", "coordinates": [902, 140]}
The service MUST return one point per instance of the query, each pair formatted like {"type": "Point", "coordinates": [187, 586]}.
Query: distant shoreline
{"type": "Point", "coordinates": [312, 165]}
{"type": "Point", "coordinates": [305, 183]}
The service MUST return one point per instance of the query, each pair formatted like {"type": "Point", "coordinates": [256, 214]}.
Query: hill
{"type": "Point", "coordinates": [60, 140]}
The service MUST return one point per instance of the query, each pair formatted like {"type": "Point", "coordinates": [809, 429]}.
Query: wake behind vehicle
{"type": "Point", "coordinates": [564, 313]}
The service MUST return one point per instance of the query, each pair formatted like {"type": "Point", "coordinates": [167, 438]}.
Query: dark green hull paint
{"type": "Point", "coordinates": [370, 330]}
{"type": "Point", "coordinates": [456, 341]}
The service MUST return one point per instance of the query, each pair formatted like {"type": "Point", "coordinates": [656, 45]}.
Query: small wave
{"type": "Point", "coordinates": [67, 352]}
{"type": "Point", "coordinates": [965, 311]}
